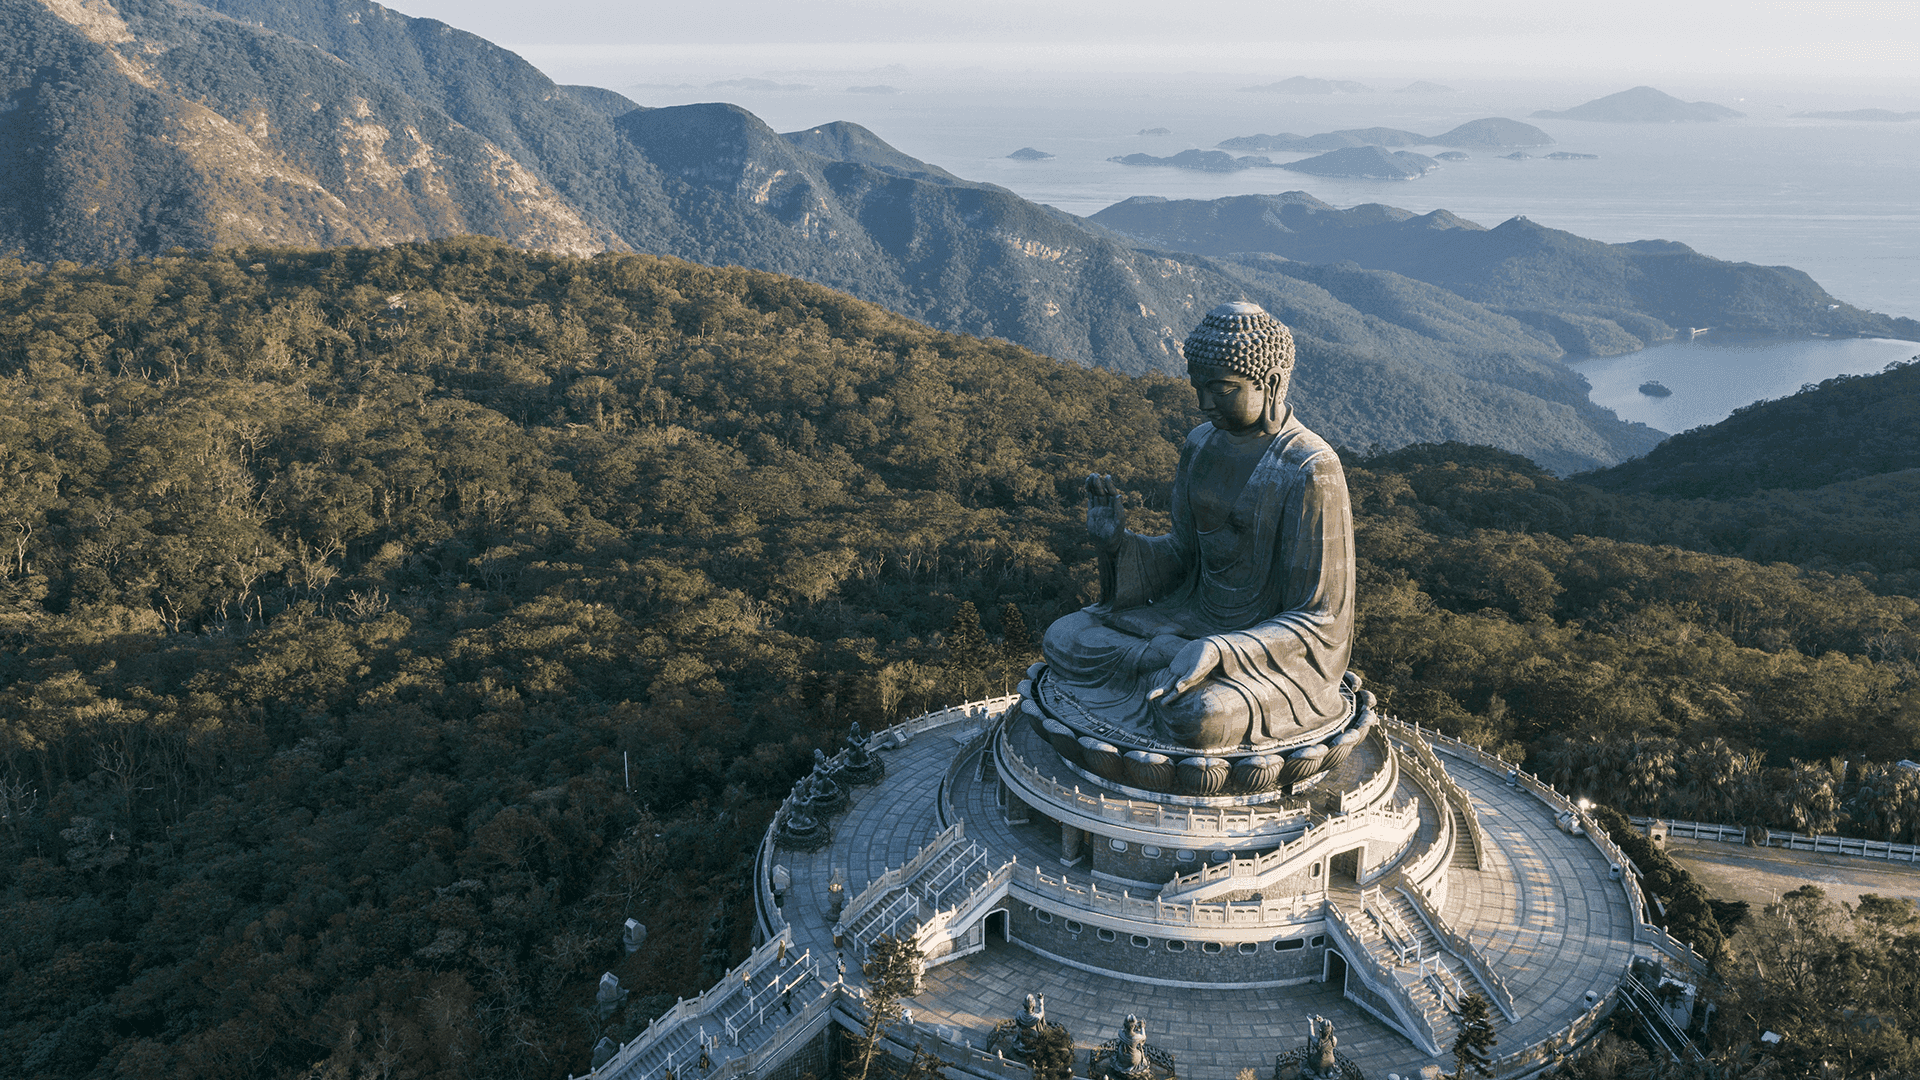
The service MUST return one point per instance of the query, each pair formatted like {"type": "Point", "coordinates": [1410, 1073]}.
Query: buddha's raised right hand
{"type": "Point", "coordinates": [1106, 513]}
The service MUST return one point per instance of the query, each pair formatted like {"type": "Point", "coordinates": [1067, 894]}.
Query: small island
{"type": "Point", "coordinates": [1568, 155]}
{"type": "Point", "coordinates": [1489, 133]}
{"type": "Point", "coordinates": [1642, 105]}
{"type": "Point", "coordinates": [1518, 155]}
{"type": "Point", "coordinates": [1028, 153]}
{"type": "Point", "coordinates": [1451, 155]}
{"type": "Point", "coordinates": [1367, 163]}
{"type": "Point", "coordinates": [880, 88]}
{"type": "Point", "coordinates": [1155, 131]}
{"type": "Point", "coordinates": [1493, 133]}
{"type": "Point", "coordinates": [1198, 160]}
{"type": "Point", "coordinates": [1655, 388]}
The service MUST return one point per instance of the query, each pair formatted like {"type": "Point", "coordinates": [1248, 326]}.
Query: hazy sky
{"type": "Point", "coordinates": [1842, 40]}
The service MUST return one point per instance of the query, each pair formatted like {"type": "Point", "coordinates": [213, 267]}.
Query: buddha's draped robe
{"type": "Point", "coordinates": [1272, 585]}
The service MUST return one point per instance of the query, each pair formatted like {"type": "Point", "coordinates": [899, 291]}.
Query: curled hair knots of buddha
{"type": "Point", "coordinates": [1242, 338]}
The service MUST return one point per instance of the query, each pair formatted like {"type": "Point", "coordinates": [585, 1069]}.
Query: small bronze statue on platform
{"type": "Point", "coordinates": [1318, 1060]}
{"type": "Point", "coordinates": [1131, 1057]}
{"type": "Point", "coordinates": [862, 766]}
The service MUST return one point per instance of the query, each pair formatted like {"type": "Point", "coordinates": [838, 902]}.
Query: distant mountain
{"type": "Point", "coordinates": [156, 126]}
{"type": "Point", "coordinates": [1859, 114]}
{"type": "Point", "coordinates": [1642, 105]}
{"type": "Point", "coordinates": [1593, 299]}
{"type": "Point", "coordinates": [604, 102]}
{"type": "Point", "coordinates": [326, 122]}
{"type": "Point", "coordinates": [1846, 429]}
{"type": "Point", "coordinates": [841, 141]}
{"type": "Point", "coordinates": [1491, 133]}
{"type": "Point", "coordinates": [1367, 163]}
{"type": "Point", "coordinates": [1301, 84]}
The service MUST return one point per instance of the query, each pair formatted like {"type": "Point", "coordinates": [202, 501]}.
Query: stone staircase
{"type": "Point", "coordinates": [752, 1007]}
{"type": "Point", "coordinates": [950, 876]}
{"type": "Point", "coordinates": [1465, 857]}
{"type": "Point", "coordinates": [1393, 932]}
{"type": "Point", "coordinates": [953, 876]}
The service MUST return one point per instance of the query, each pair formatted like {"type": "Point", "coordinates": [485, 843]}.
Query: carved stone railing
{"type": "Point", "coordinates": [771, 984]}
{"type": "Point", "coordinates": [1394, 821]}
{"type": "Point", "coordinates": [1457, 795]}
{"type": "Point", "coordinates": [890, 880]}
{"type": "Point", "coordinates": [1792, 841]}
{"type": "Point", "coordinates": [981, 712]}
{"type": "Point", "coordinates": [950, 1044]}
{"type": "Point", "coordinates": [1194, 821]}
{"type": "Point", "coordinates": [766, 906]}
{"type": "Point", "coordinates": [948, 923]}
{"type": "Point", "coordinates": [1410, 1019]}
{"type": "Point", "coordinates": [1644, 930]}
{"type": "Point", "coordinates": [1462, 946]}
{"type": "Point", "coordinates": [1035, 885]}
{"type": "Point", "coordinates": [1432, 862]}
{"type": "Point", "coordinates": [1548, 1051]}
{"type": "Point", "coordinates": [949, 814]}
{"type": "Point", "coordinates": [1370, 790]}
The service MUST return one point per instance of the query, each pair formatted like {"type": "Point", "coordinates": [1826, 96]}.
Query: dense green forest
{"type": "Point", "coordinates": [339, 589]}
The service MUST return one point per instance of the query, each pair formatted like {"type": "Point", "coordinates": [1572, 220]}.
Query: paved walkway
{"type": "Point", "coordinates": [887, 824]}
{"type": "Point", "coordinates": [1544, 912]}
{"type": "Point", "coordinates": [1213, 1034]}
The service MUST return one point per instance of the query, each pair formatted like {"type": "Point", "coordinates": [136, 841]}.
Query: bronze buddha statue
{"type": "Point", "coordinates": [1233, 631]}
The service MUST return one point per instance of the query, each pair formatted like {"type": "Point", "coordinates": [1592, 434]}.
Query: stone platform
{"type": "Point", "coordinates": [939, 848]}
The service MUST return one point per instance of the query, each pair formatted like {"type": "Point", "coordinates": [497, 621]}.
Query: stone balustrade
{"type": "Point", "coordinates": [1456, 795]}
{"type": "Point", "coordinates": [1152, 912]}
{"type": "Point", "coordinates": [1370, 790]}
{"type": "Point", "coordinates": [1397, 822]}
{"type": "Point", "coordinates": [893, 878]}
{"type": "Point", "coordinates": [1408, 1017]}
{"type": "Point", "coordinates": [1461, 946]}
{"type": "Point", "coordinates": [743, 1023]}
{"type": "Point", "coordinates": [1188, 821]}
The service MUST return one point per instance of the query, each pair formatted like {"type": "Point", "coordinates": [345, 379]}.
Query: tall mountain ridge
{"type": "Point", "coordinates": [129, 129]}
{"type": "Point", "coordinates": [1592, 298]}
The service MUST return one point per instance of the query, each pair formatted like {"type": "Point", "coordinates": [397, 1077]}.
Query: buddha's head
{"type": "Point", "coordinates": [1240, 361]}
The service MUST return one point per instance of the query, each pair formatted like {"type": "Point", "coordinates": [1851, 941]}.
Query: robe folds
{"type": "Point", "coordinates": [1272, 585]}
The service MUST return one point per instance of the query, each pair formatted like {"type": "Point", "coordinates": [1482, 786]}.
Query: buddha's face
{"type": "Point", "coordinates": [1234, 402]}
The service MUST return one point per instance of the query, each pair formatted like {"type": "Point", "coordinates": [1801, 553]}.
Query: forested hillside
{"type": "Point", "coordinates": [1846, 429]}
{"type": "Point", "coordinates": [338, 588]}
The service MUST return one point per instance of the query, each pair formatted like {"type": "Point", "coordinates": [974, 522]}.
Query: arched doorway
{"type": "Point", "coordinates": [997, 926]}
{"type": "Point", "coordinates": [1344, 869]}
{"type": "Point", "coordinates": [1336, 968]}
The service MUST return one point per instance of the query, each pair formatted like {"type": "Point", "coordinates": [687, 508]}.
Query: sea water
{"type": "Point", "coordinates": [1836, 199]}
{"type": "Point", "coordinates": [1710, 379]}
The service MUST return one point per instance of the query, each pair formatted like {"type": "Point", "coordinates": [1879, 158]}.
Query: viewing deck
{"type": "Point", "coordinates": [1538, 906]}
